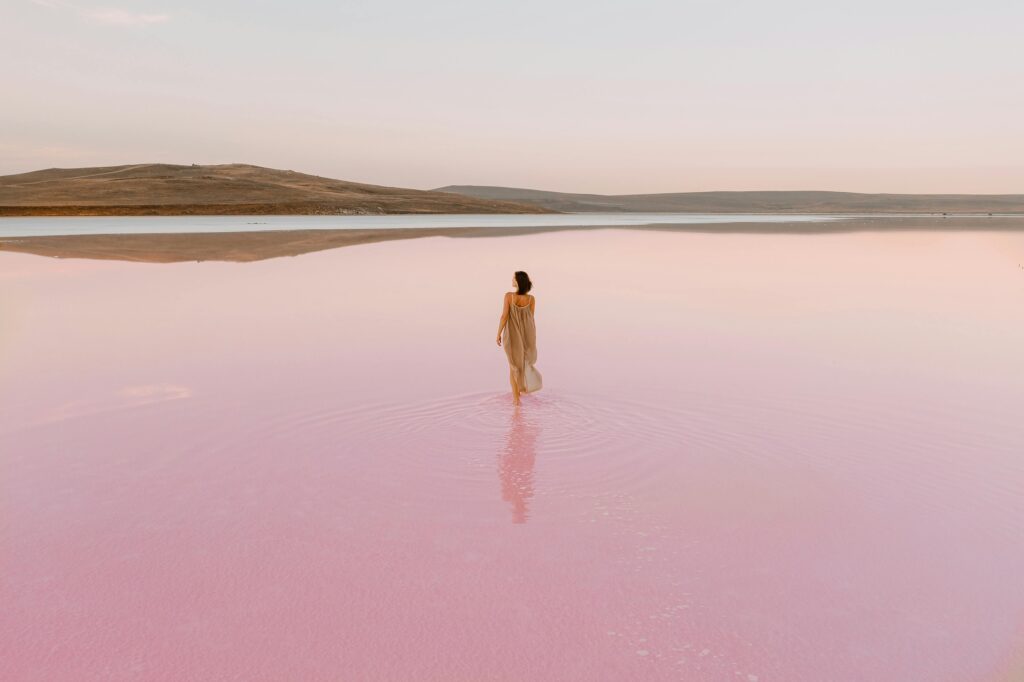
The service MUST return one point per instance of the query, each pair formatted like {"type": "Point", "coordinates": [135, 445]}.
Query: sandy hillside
{"type": "Point", "coordinates": [235, 189]}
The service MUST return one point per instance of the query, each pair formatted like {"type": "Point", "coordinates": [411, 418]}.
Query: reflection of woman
{"type": "Point", "coordinates": [515, 465]}
{"type": "Point", "coordinates": [520, 337]}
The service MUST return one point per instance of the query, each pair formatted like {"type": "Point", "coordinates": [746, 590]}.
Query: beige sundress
{"type": "Point", "coordinates": [520, 341]}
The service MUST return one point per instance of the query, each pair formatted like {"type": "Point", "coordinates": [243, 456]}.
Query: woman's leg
{"type": "Point", "coordinates": [515, 386]}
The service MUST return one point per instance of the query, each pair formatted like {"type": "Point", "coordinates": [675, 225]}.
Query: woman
{"type": "Point", "coordinates": [520, 337]}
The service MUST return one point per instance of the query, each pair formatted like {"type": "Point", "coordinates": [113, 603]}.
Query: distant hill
{"type": "Point", "coordinates": [231, 189]}
{"type": "Point", "coordinates": [750, 202]}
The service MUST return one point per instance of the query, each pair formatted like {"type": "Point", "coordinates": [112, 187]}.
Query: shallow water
{"type": "Point", "coordinates": [756, 457]}
{"type": "Point", "coordinates": [46, 226]}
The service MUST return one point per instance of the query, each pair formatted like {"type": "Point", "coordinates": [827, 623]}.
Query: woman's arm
{"type": "Point", "coordinates": [504, 316]}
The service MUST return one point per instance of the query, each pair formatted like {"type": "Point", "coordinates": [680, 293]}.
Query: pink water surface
{"type": "Point", "coordinates": [755, 458]}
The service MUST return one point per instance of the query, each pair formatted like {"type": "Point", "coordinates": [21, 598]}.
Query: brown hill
{"type": "Point", "coordinates": [231, 189]}
{"type": "Point", "coordinates": [750, 202]}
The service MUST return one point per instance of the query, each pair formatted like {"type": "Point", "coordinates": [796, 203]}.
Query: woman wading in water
{"type": "Point", "coordinates": [520, 337]}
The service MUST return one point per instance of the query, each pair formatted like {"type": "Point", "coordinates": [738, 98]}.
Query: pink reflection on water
{"type": "Point", "coordinates": [730, 475]}
{"type": "Point", "coordinates": [515, 465]}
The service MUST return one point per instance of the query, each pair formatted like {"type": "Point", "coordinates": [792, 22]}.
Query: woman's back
{"type": "Point", "coordinates": [522, 301]}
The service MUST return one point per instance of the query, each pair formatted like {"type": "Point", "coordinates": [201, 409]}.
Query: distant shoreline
{"type": "Point", "coordinates": [197, 210]}
{"type": "Point", "coordinates": [751, 201]}
{"type": "Point", "coordinates": [263, 210]}
{"type": "Point", "coordinates": [262, 245]}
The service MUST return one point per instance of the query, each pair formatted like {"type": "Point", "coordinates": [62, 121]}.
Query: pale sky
{"type": "Point", "coordinates": [568, 95]}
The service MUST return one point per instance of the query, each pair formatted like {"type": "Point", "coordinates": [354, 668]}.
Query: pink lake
{"type": "Point", "coordinates": [756, 458]}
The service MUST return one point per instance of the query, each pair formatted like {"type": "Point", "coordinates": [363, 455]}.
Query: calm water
{"type": "Point", "coordinates": [42, 226]}
{"type": "Point", "coordinates": [755, 458]}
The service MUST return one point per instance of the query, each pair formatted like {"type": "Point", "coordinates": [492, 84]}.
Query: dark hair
{"type": "Point", "coordinates": [523, 282]}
